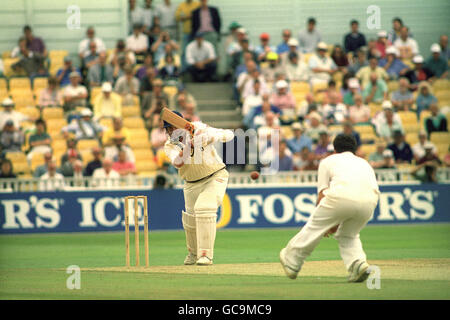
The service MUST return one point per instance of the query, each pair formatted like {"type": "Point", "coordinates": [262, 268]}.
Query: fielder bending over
{"type": "Point", "coordinates": [347, 196]}
{"type": "Point", "coordinates": [206, 180]}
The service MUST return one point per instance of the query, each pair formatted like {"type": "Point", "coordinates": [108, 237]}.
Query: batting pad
{"type": "Point", "coordinates": [190, 226]}
{"type": "Point", "coordinates": [206, 233]}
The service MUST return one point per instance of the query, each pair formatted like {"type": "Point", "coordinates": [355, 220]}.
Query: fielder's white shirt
{"type": "Point", "coordinates": [347, 176]}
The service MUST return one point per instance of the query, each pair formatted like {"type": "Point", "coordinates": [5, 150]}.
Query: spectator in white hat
{"type": "Point", "coordinates": [419, 73]}
{"type": "Point", "coordinates": [295, 68]}
{"type": "Point", "coordinates": [436, 64]}
{"type": "Point", "coordinates": [406, 45]}
{"type": "Point", "coordinates": [299, 140]}
{"type": "Point", "coordinates": [321, 66]}
{"type": "Point", "coordinates": [314, 125]}
{"type": "Point", "coordinates": [419, 148]}
{"type": "Point", "coordinates": [108, 104]}
{"type": "Point", "coordinates": [74, 94]}
{"type": "Point", "coordinates": [353, 89]}
{"type": "Point", "coordinates": [393, 66]}
{"type": "Point", "coordinates": [387, 122]}
{"type": "Point", "coordinates": [334, 111]}
{"type": "Point", "coordinates": [282, 98]}
{"type": "Point", "coordinates": [84, 127]}
{"type": "Point", "coordinates": [9, 114]}
{"type": "Point", "coordinates": [293, 47]}
{"type": "Point", "coordinates": [382, 43]}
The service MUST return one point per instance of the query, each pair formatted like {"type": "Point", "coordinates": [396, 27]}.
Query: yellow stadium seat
{"type": "Point", "coordinates": [40, 83]}
{"type": "Point", "coordinates": [55, 124]}
{"type": "Point", "coordinates": [8, 71]}
{"type": "Point", "coordinates": [6, 55]}
{"type": "Point", "coordinates": [442, 149]}
{"type": "Point", "coordinates": [57, 54]}
{"type": "Point", "coordinates": [3, 84]}
{"type": "Point", "coordinates": [95, 91]}
{"type": "Point", "coordinates": [147, 174]}
{"type": "Point", "coordinates": [37, 160]}
{"type": "Point", "coordinates": [52, 113]}
{"type": "Point", "coordinates": [319, 86]}
{"type": "Point", "coordinates": [87, 156]}
{"type": "Point", "coordinates": [300, 86]}
{"type": "Point", "coordinates": [368, 136]}
{"type": "Point", "coordinates": [16, 156]}
{"type": "Point", "coordinates": [363, 129]}
{"type": "Point", "coordinates": [306, 57]}
{"type": "Point", "coordinates": [131, 111]}
{"type": "Point", "coordinates": [21, 168]}
{"type": "Point", "coordinates": [139, 144]}
{"type": "Point", "coordinates": [423, 115]}
{"type": "Point", "coordinates": [19, 83]}
{"type": "Point", "coordinates": [133, 122]}
{"type": "Point", "coordinates": [286, 132]}
{"type": "Point", "coordinates": [146, 166]}
{"type": "Point", "coordinates": [170, 90]}
{"type": "Point", "coordinates": [144, 154]}
{"type": "Point", "coordinates": [411, 127]}
{"type": "Point", "coordinates": [412, 138]}
{"type": "Point", "coordinates": [106, 122]}
{"type": "Point", "coordinates": [338, 76]}
{"type": "Point", "coordinates": [442, 94]}
{"type": "Point", "coordinates": [407, 117]}
{"type": "Point", "coordinates": [368, 149]}
{"type": "Point", "coordinates": [30, 112]}
{"type": "Point", "coordinates": [440, 137]}
{"type": "Point", "coordinates": [392, 85]}
{"type": "Point", "coordinates": [139, 133]}
{"type": "Point", "coordinates": [25, 125]}
{"type": "Point", "coordinates": [87, 144]}
{"type": "Point", "coordinates": [59, 145]}
{"type": "Point", "coordinates": [441, 84]}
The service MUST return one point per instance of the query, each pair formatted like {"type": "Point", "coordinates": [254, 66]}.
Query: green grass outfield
{"type": "Point", "coordinates": [414, 262]}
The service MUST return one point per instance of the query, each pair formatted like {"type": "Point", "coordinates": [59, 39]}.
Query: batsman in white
{"type": "Point", "coordinates": [347, 196]}
{"type": "Point", "coordinates": [206, 180]}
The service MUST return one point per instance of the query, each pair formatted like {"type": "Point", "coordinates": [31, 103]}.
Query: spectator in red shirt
{"type": "Point", "coordinates": [122, 166]}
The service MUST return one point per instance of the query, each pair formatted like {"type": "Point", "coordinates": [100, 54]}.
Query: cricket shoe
{"type": "Point", "coordinates": [204, 261]}
{"type": "Point", "coordinates": [358, 271]}
{"type": "Point", "coordinates": [190, 259]}
{"type": "Point", "coordinates": [291, 273]}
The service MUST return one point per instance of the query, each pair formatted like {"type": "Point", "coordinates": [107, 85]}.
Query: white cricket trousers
{"type": "Point", "coordinates": [351, 215]}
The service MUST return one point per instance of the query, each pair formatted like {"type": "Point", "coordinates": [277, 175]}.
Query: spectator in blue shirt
{"type": "Point", "coordinates": [393, 66]}
{"type": "Point", "coordinates": [300, 140]}
{"type": "Point", "coordinates": [425, 98]}
{"type": "Point", "coordinates": [64, 72]}
{"type": "Point", "coordinates": [354, 40]}
{"type": "Point", "coordinates": [436, 64]}
{"type": "Point", "coordinates": [401, 149]}
{"type": "Point", "coordinates": [259, 111]}
{"type": "Point", "coordinates": [285, 159]}
{"type": "Point", "coordinates": [284, 47]}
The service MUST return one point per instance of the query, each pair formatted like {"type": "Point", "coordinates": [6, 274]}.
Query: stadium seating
{"type": "Point", "coordinates": [440, 137]}
{"type": "Point", "coordinates": [52, 113]}
{"type": "Point", "coordinates": [131, 111]}
{"type": "Point", "coordinates": [133, 122]}
{"type": "Point", "coordinates": [87, 144]}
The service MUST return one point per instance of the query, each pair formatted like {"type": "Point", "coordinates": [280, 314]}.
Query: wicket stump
{"type": "Point", "coordinates": [136, 230]}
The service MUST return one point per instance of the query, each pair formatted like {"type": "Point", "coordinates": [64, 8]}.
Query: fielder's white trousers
{"type": "Point", "coordinates": [351, 215]}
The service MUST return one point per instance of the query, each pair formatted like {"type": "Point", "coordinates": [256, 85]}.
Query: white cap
{"type": "Point", "coordinates": [353, 83]}
{"type": "Point", "coordinates": [292, 42]}
{"type": "Point", "coordinates": [241, 30]}
{"type": "Point", "coordinates": [388, 153]}
{"type": "Point", "coordinates": [106, 87]}
{"type": "Point", "coordinates": [86, 112]}
{"type": "Point", "coordinates": [281, 84]}
{"type": "Point", "coordinates": [418, 59]}
{"type": "Point", "coordinates": [428, 145]}
{"type": "Point", "coordinates": [7, 102]}
{"type": "Point", "coordinates": [392, 50]}
{"type": "Point", "coordinates": [382, 34]}
{"type": "Point", "coordinates": [297, 126]}
{"type": "Point", "coordinates": [322, 45]}
{"type": "Point", "coordinates": [435, 48]}
{"type": "Point", "coordinates": [386, 104]}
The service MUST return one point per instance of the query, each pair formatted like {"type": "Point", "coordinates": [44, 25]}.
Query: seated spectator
{"type": "Point", "coordinates": [170, 71]}
{"type": "Point", "coordinates": [334, 111]}
{"type": "Point", "coordinates": [365, 73]}
{"type": "Point", "coordinates": [146, 84]}
{"type": "Point", "coordinates": [406, 45]}
{"type": "Point", "coordinates": [445, 49]}
{"type": "Point", "coordinates": [63, 74]}
{"type": "Point", "coordinates": [108, 104]}
{"type": "Point", "coordinates": [153, 102]}
{"type": "Point", "coordinates": [272, 68]}
{"type": "Point", "coordinates": [419, 148]}
{"type": "Point", "coordinates": [123, 166]}
{"type": "Point", "coordinates": [358, 63]}
{"type": "Point", "coordinates": [245, 82]}
{"type": "Point", "coordinates": [300, 140]}
{"type": "Point", "coordinates": [11, 139]}
{"type": "Point", "coordinates": [402, 99]}
{"type": "Point", "coordinates": [71, 151]}
{"type": "Point", "coordinates": [6, 171]}
{"type": "Point", "coordinates": [436, 64]}
{"type": "Point", "coordinates": [184, 95]}
{"type": "Point", "coordinates": [74, 94]}
{"type": "Point", "coordinates": [401, 149]}
{"type": "Point", "coordinates": [127, 86]}
{"type": "Point", "coordinates": [117, 128]}
{"type": "Point", "coordinates": [397, 25]}
{"type": "Point", "coordinates": [100, 72]}
{"type": "Point", "coordinates": [239, 58]}
{"type": "Point", "coordinates": [137, 42]}
{"type": "Point", "coordinates": [340, 58]}
{"type": "Point", "coordinates": [30, 62]}
{"type": "Point", "coordinates": [106, 176]}
{"type": "Point", "coordinates": [353, 90]}
{"type": "Point", "coordinates": [419, 73]}
{"type": "Point", "coordinates": [382, 43]}
{"type": "Point", "coordinates": [188, 112]}
{"type": "Point", "coordinates": [163, 44]}
{"type": "Point", "coordinates": [284, 157]}
{"type": "Point", "coordinates": [95, 163]}
{"type": "Point", "coordinates": [201, 59]}
{"type": "Point", "coordinates": [354, 40]}
{"type": "Point", "coordinates": [84, 127]}
{"type": "Point", "coordinates": [302, 159]}
{"type": "Point", "coordinates": [83, 46]}
{"type": "Point", "coordinates": [295, 68]}
{"type": "Point", "coordinates": [359, 112]}
{"type": "Point", "coordinates": [321, 66]}
{"type": "Point", "coordinates": [34, 44]}
{"type": "Point", "coordinates": [51, 96]}
{"type": "Point", "coordinates": [112, 151]}
{"type": "Point", "coordinates": [394, 67]}
{"type": "Point", "coordinates": [52, 180]}
{"type": "Point", "coordinates": [382, 158]}
{"type": "Point", "coordinates": [306, 106]}
{"type": "Point", "coordinates": [9, 114]}
{"type": "Point", "coordinates": [232, 40]}
{"type": "Point", "coordinates": [321, 150]}
{"type": "Point", "coordinates": [387, 122]}
{"type": "Point", "coordinates": [283, 47]}
{"type": "Point", "coordinates": [121, 53]}
{"type": "Point", "coordinates": [39, 141]}
{"type": "Point", "coordinates": [425, 97]}
{"type": "Point", "coordinates": [427, 166]}
{"type": "Point", "coordinates": [292, 48]}
{"type": "Point", "coordinates": [40, 170]}
{"type": "Point", "coordinates": [67, 167]}
{"type": "Point", "coordinates": [314, 126]}
{"type": "Point", "coordinates": [309, 38]}
{"type": "Point", "coordinates": [91, 58]}
{"type": "Point", "coordinates": [77, 174]}
{"type": "Point", "coordinates": [331, 90]}
{"type": "Point", "coordinates": [158, 137]}
{"type": "Point", "coordinates": [148, 63]}
{"type": "Point", "coordinates": [256, 117]}
{"type": "Point", "coordinates": [437, 122]}
{"type": "Point", "coordinates": [283, 99]}
{"type": "Point", "coordinates": [375, 91]}
{"type": "Point", "coordinates": [264, 48]}
{"type": "Point", "coordinates": [253, 100]}
{"type": "Point", "coordinates": [347, 128]}
{"type": "Point", "coordinates": [169, 49]}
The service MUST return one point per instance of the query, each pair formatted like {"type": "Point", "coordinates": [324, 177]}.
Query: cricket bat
{"type": "Point", "coordinates": [177, 121]}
